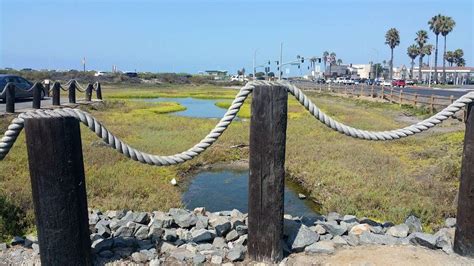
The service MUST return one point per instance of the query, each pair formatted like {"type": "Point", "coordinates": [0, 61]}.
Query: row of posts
{"type": "Point", "coordinates": [39, 89]}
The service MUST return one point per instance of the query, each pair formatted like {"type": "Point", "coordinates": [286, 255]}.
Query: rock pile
{"type": "Point", "coordinates": [200, 236]}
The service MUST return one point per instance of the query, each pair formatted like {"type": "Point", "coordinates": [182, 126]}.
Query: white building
{"type": "Point", "coordinates": [454, 75]}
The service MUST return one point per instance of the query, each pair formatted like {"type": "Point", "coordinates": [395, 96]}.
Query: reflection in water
{"type": "Point", "coordinates": [200, 108]}
{"type": "Point", "coordinates": [227, 190]}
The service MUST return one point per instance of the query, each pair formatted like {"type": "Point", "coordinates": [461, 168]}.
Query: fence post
{"type": "Point", "coordinates": [267, 172]}
{"type": "Point", "coordinates": [59, 191]}
{"type": "Point", "coordinates": [56, 93]}
{"type": "Point", "coordinates": [415, 99]}
{"type": "Point", "coordinates": [72, 92]}
{"type": "Point", "coordinates": [37, 89]}
{"type": "Point", "coordinates": [89, 92]}
{"type": "Point", "coordinates": [99, 91]}
{"type": "Point", "coordinates": [10, 98]}
{"type": "Point", "coordinates": [372, 91]}
{"type": "Point", "coordinates": [464, 236]}
{"type": "Point", "coordinates": [431, 103]}
{"type": "Point", "coordinates": [382, 93]}
{"type": "Point", "coordinates": [47, 88]}
{"type": "Point", "coordinates": [451, 99]}
{"type": "Point", "coordinates": [401, 97]}
{"type": "Point", "coordinates": [391, 95]}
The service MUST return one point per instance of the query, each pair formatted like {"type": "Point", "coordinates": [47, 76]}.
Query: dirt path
{"type": "Point", "coordinates": [381, 255]}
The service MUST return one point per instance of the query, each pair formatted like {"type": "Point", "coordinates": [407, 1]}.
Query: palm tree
{"type": "Point", "coordinates": [332, 59]}
{"type": "Point", "coordinates": [412, 52]}
{"type": "Point", "coordinates": [325, 58]}
{"type": "Point", "coordinates": [449, 56]}
{"type": "Point", "coordinates": [339, 61]}
{"type": "Point", "coordinates": [447, 26]}
{"type": "Point", "coordinates": [458, 60]}
{"type": "Point", "coordinates": [421, 38]}
{"type": "Point", "coordinates": [392, 39]}
{"type": "Point", "coordinates": [436, 23]}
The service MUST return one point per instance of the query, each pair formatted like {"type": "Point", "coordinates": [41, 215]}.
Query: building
{"type": "Point", "coordinates": [361, 70]}
{"type": "Point", "coordinates": [454, 75]}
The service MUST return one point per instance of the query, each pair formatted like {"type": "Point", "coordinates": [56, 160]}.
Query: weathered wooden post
{"type": "Point", "coordinates": [391, 95]}
{"type": "Point", "coordinates": [432, 104]}
{"type": "Point", "coordinates": [10, 98]}
{"type": "Point", "coordinates": [415, 99]}
{"type": "Point", "coordinates": [89, 92]}
{"type": "Point", "coordinates": [56, 93]}
{"type": "Point", "coordinates": [401, 97]}
{"type": "Point", "coordinates": [267, 172]}
{"type": "Point", "coordinates": [37, 89]}
{"type": "Point", "coordinates": [98, 91]}
{"type": "Point", "coordinates": [59, 191]}
{"type": "Point", "coordinates": [72, 92]}
{"type": "Point", "coordinates": [464, 236]}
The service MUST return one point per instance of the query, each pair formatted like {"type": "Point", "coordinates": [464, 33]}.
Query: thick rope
{"type": "Point", "coordinates": [379, 135]}
{"type": "Point", "coordinates": [17, 125]}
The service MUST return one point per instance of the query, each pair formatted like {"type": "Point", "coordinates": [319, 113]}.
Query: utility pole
{"type": "Point", "coordinates": [280, 70]}
{"type": "Point", "coordinates": [254, 56]}
{"type": "Point", "coordinates": [84, 64]}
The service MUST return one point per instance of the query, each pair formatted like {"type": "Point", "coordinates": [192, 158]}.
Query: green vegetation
{"type": "Point", "coordinates": [382, 180]}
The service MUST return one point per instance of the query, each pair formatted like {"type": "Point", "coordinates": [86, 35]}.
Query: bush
{"type": "Point", "coordinates": [12, 220]}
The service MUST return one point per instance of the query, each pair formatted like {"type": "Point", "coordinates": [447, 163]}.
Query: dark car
{"type": "Point", "coordinates": [22, 87]}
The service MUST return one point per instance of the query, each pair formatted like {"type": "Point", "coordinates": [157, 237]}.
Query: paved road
{"type": "Point", "coordinates": [22, 105]}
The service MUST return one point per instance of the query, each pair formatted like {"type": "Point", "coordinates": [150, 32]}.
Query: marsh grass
{"type": "Point", "coordinates": [381, 180]}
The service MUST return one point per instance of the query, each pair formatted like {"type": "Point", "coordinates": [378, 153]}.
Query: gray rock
{"type": "Point", "coordinates": [170, 235]}
{"type": "Point", "coordinates": [95, 236]}
{"type": "Point", "coordinates": [166, 247]}
{"type": "Point", "coordinates": [377, 229]}
{"type": "Point", "coordinates": [115, 214]}
{"type": "Point", "coordinates": [325, 237]}
{"type": "Point", "coordinates": [35, 248]}
{"type": "Point", "coordinates": [181, 254]}
{"type": "Point", "coordinates": [216, 259]}
{"type": "Point", "coordinates": [201, 235]}
{"type": "Point", "coordinates": [93, 218]}
{"type": "Point", "coordinates": [124, 231]}
{"type": "Point", "coordinates": [184, 234]}
{"type": "Point", "coordinates": [235, 254]}
{"type": "Point", "coordinates": [155, 262]}
{"type": "Point", "coordinates": [242, 240]}
{"type": "Point", "coordinates": [202, 222]}
{"type": "Point", "coordinates": [185, 220]}
{"type": "Point", "coordinates": [334, 216]}
{"type": "Point", "coordinates": [414, 224]}
{"type": "Point", "coordinates": [103, 229]}
{"type": "Point", "coordinates": [232, 235]}
{"type": "Point", "coordinates": [359, 229]}
{"type": "Point", "coordinates": [124, 252]}
{"type": "Point", "coordinates": [137, 217]}
{"type": "Point", "coordinates": [102, 244]}
{"type": "Point", "coordinates": [319, 229]}
{"type": "Point", "coordinates": [348, 225]}
{"type": "Point", "coordinates": [371, 238]}
{"type": "Point", "coordinates": [106, 254]}
{"type": "Point", "coordinates": [369, 222]}
{"type": "Point", "coordinates": [149, 253]}
{"type": "Point", "coordinates": [301, 196]}
{"type": "Point", "coordinates": [17, 240]}
{"type": "Point", "coordinates": [155, 233]}
{"type": "Point", "coordinates": [322, 247]}
{"type": "Point", "coordinates": [124, 242]}
{"type": "Point", "coordinates": [423, 239]}
{"type": "Point", "coordinates": [219, 242]}
{"type": "Point", "coordinates": [221, 225]}
{"type": "Point", "coordinates": [116, 224]}
{"type": "Point", "coordinates": [242, 230]}
{"type": "Point", "coordinates": [333, 228]}
{"type": "Point", "coordinates": [350, 219]}
{"type": "Point", "coordinates": [142, 233]}
{"type": "Point", "coordinates": [162, 220]}
{"type": "Point", "coordinates": [145, 244]}
{"type": "Point", "coordinates": [3, 246]}
{"type": "Point", "coordinates": [352, 240]}
{"type": "Point", "coordinates": [450, 222]}
{"type": "Point", "coordinates": [198, 259]}
{"type": "Point", "coordinates": [204, 246]}
{"type": "Point", "coordinates": [445, 239]}
{"type": "Point", "coordinates": [400, 230]}
{"type": "Point", "coordinates": [301, 236]}
{"type": "Point", "coordinates": [339, 241]}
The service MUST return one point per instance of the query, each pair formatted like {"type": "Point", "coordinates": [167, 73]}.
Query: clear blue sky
{"type": "Point", "coordinates": [190, 36]}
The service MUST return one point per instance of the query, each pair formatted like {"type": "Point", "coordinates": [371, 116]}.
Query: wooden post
{"type": "Point", "coordinates": [59, 191]}
{"type": "Point", "coordinates": [432, 103]}
{"type": "Point", "coordinates": [99, 91]}
{"type": "Point", "coordinates": [37, 89]}
{"type": "Point", "coordinates": [382, 94]}
{"type": "Point", "coordinates": [267, 173]}
{"type": "Point", "coordinates": [56, 93]}
{"type": "Point", "coordinates": [72, 92]}
{"type": "Point", "coordinates": [372, 91]}
{"type": "Point", "coordinates": [391, 95]}
{"type": "Point", "coordinates": [89, 92]}
{"type": "Point", "coordinates": [10, 98]}
{"type": "Point", "coordinates": [451, 99]}
{"type": "Point", "coordinates": [400, 97]}
{"type": "Point", "coordinates": [415, 99]}
{"type": "Point", "coordinates": [464, 236]}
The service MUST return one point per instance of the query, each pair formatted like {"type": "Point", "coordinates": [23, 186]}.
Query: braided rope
{"type": "Point", "coordinates": [379, 135]}
{"type": "Point", "coordinates": [79, 86]}
{"type": "Point", "coordinates": [17, 125]}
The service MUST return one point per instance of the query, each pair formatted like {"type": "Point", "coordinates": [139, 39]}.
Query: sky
{"type": "Point", "coordinates": [193, 36]}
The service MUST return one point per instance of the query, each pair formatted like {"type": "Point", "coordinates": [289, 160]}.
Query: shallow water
{"type": "Point", "coordinates": [198, 108]}
{"type": "Point", "coordinates": [228, 189]}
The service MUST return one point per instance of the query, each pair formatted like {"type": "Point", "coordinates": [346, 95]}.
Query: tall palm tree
{"type": "Point", "coordinates": [325, 58]}
{"type": "Point", "coordinates": [339, 61]}
{"type": "Point", "coordinates": [449, 56]}
{"type": "Point", "coordinates": [332, 60]}
{"type": "Point", "coordinates": [436, 23]}
{"type": "Point", "coordinates": [458, 60]}
{"type": "Point", "coordinates": [412, 52]}
{"type": "Point", "coordinates": [392, 39]}
{"type": "Point", "coordinates": [448, 24]}
{"type": "Point", "coordinates": [421, 38]}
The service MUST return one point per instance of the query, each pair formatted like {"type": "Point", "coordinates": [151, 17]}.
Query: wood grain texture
{"type": "Point", "coordinates": [56, 94]}
{"type": "Point", "coordinates": [72, 93]}
{"type": "Point", "coordinates": [10, 98]}
{"type": "Point", "coordinates": [37, 96]}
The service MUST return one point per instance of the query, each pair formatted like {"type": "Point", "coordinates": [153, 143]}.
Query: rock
{"type": "Point", "coordinates": [106, 254]}
{"type": "Point", "coordinates": [450, 222]}
{"type": "Point", "coordinates": [348, 225]}
{"type": "Point", "coordinates": [115, 214]}
{"type": "Point", "coordinates": [124, 231]}
{"type": "Point", "coordinates": [174, 182]}
{"type": "Point", "coordinates": [201, 235]}
{"type": "Point", "coordinates": [301, 236]}
{"type": "Point", "coordinates": [242, 230]}
{"type": "Point", "coordinates": [155, 262]}
{"type": "Point", "coordinates": [161, 219]}
{"type": "Point", "coordinates": [414, 224]}
{"type": "Point", "coordinates": [219, 242]}
{"type": "Point", "coordinates": [232, 235]}
{"type": "Point", "coordinates": [145, 244]}
{"type": "Point", "coordinates": [136, 217]}
{"type": "Point", "coordinates": [185, 220]}
{"type": "Point", "coordinates": [445, 239]}
{"type": "Point", "coordinates": [103, 229]}
{"type": "Point", "coordinates": [371, 238]}
{"type": "Point", "coordinates": [3, 246]}
{"type": "Point", "coordinates": [35, 247]}
{"type": "Point", "coordinates": [198, 259]}
{"type": "Point", "coordinates": [235, 254]}
{"type": "Point", "coordinates": [319, 229]}
{"type": "Point", "coordinates": [166, 247]}
{"type": "Point", "coordinates": [221, 225]}
{"type": "Point", "coordinates": [181, 254]}
{"type": "Point", "coordinates": [352, 240]}
{"type": "Point", "coordinates": [322, 247]}
{"type": "Point", "coordinates": [423, 239]}
{"type": "Point", "coordinates": [369, 222]}
{"type": "Point", "coordinates": [350, 219]}
{"type": "Point", "coordinates": [339, 241]}
{"type": "Point", "coordinates": [301, 196]}
{"type": "Point", "coordinates": [242, 240]}
{"type": "Point", "coordinates": [204, 246]}
{"type": "Point", "coordinates": [400, 230]}
{"type": "Point", "coordinates": [377, 229]}
{"type": "Point", "coordinates": [334, 216]}
{"type": "Point", "coordinates": [124, 242]}
{"type": "Point", "coordinates": [387, 224]}
{"type": "Point", "coordinates": [102, 244]}
{"type": "Point", "coordinates": [202, 222]}
{"type": "Point", "coordinates": [155, 233]}
{"type": "Point", "coordinates": [139, 257]}
{"type": "Point", "coordinates": [333, 228]}
{"type": "Point", "coordinates": [93, 218]}
{"type": "Point", "coordinates": [184, 234]}
{"type": "Point", "coordinates": [200, 210]}
{"type": "Point", "coordinates": [170, 235]}
{"type": "Point", "coordinates": [149, 253]}
{"type": "Point", "coordinates": [216, 259]}
{"type": "Point", "coordinates": [124, 252]}
{"type": "Point", "coordinates": [142, 233]}
{"type": "Point", "coordinates": [17, 240]}
{"type": "Point", "coordinates": [359, 229]}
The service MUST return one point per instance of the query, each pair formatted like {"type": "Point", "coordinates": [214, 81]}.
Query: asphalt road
{"type": "Point", "coordinates": [22, 105]}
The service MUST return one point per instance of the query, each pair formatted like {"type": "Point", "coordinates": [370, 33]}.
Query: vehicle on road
{"type": "Point", "coordinates": [399, 83]}
{"type": "Point", "coordinates": [22, 87]}
{"type": "Point", "coordinates": [101, 73]}
{"type": "Point", "coordinates": [410, 82]}
{"type": "Point", "coordinates": [385, 83]}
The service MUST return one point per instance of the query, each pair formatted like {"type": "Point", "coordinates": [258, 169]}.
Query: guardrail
{"type": "Point", "coordinates": [39, 90]}
{"type": "Point", "coordinates": [58, 179]}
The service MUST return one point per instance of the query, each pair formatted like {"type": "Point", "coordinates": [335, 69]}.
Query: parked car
{"type": "Point", "coordinates": [131, 74]}
{"type": "Point", "coordinates": [385, 83]}
{"type": "Point", "coordinates": [410, 82]}
{"type": "Point", "coordinates": [101, 73]}
{"type": "Point", "coordinates": [399, 83]}
{"type": "Point", "coordinates": [348, 81]}
{"type": "Point", "coordinates": [21, 87]}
